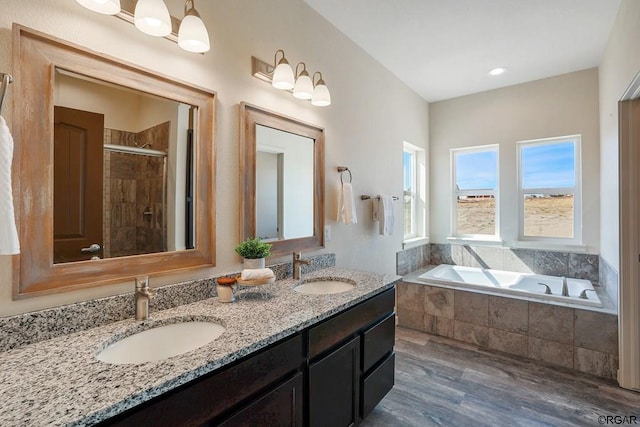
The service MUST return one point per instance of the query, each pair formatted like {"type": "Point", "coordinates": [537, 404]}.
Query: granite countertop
{"type": "Point", "coordinates": [60, 381]}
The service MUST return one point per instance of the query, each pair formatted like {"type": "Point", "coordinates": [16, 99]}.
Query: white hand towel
{"type": "Point", "coordinates": [9, 244]}
{"type": "Point", "coordinates": [386, 218]}
{"type": "Point", "coordinates": [257, 274]}
{"type": "Point", "coordinates": [347, 205]}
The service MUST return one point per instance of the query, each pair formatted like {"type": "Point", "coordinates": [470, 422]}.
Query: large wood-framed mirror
{"type": "Point", "coordinates": [113, 169]}
{"type": "Point", "coordinates": [281, 180]}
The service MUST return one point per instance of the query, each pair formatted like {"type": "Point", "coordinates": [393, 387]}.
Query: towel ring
{"type": "Point", "coordinates": [343, 169]}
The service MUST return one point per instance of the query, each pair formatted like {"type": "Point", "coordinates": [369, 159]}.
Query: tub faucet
{"type": "Point", "coordinates": [547, 289]}
{"type": "Point", "coordinates": [565, 288]}
{"type": "Point", "coordinates": [143, 294]}
{"type": "Point", "coordinates": [297, 265]}
{"type": "Point", "coordinates": [583, 294]}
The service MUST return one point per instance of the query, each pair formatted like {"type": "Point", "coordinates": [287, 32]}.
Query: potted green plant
{"type": "Point", "coordinates": [254, 251]}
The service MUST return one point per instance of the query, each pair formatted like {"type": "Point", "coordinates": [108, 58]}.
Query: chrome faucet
{"type": "Point", "coordinates": [143, 294]}
{"type": "Point", "coordinates": [297, 264]}
{"type": "Point", "coordinates": [565, 288]}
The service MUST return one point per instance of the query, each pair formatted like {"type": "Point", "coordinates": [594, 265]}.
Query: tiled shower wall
{"type": "Point", "coordinates": [133, 194]}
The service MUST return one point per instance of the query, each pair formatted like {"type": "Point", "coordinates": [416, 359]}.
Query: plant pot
{"type": "Point", "coordinates": [253, 263]}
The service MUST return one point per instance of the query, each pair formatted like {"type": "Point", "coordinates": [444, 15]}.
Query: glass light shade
{"type": "Point", "coordinates": [283, 76]}
{"type": "Point", "coordinates": [152, 17]}
{"type": "Point", "coordinates": [304, 87]}
{"type": "Point", "coordinates": [321, 96]}
{"type": "Point", "coordinates": [193, 35]}
{"type": "Point", "coordinates": [106, 7]}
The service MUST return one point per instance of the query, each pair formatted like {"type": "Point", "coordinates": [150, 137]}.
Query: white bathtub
{"type": "Point", "coordinates": [507, 282]}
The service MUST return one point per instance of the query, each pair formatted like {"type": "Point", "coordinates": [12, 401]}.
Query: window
{"type": "Point", "coordinates": [549, 181]}
{"type": "Point", "coordinates": [475, 194]}
{"type": "Point", "coordinates": [414, 192]}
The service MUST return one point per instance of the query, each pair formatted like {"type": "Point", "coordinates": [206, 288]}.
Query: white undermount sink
{"type": "Point", "coordinates": [320, 286]}
{"type": "Point", "coordinates": [161, 342]}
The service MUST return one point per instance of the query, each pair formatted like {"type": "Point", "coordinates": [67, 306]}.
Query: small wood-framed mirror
{"type": "Point", "coordinates": [44, 66]}
{"type": "Point", "coordinates": [281, 180]}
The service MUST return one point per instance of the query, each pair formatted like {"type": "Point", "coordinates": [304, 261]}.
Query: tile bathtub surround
{"type": "Point", "coordinates": [554, 263]}
{"type": "Point", "coordinates": [573, 338]}
{"type": "Point", "coordinates": [59, 381]}
{"type": "Point", "coordinates": [412, 259]}
{"type": "Point", "coordinates": [609, 281]}
{"type": "Point", "coordinates": [23, 329]}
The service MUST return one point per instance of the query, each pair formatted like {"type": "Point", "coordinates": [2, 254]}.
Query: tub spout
{"type": "Point", "coordinates": [547, 289]}
{"type": "Point", "coordinates": [583, 294]}
{"type": "Point", "coordinates": [565, 288]}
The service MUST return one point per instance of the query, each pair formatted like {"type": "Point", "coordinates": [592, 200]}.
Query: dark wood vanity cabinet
{"type": "Point", "coordinates": [331, 374]}
{"type": "Point", "coordinates": [351, 362]}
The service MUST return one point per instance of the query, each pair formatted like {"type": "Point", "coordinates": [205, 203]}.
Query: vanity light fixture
{"type": "Point", "coordinates": [106, 7]}
{"type": "Point", "coordinates": [304, 86]}
{"type": "Point", "coordinates": [152, 17]}
{"type": "Point", "coordinates": [321, 96]}
{"type": "Point", "coordinates": [193, 35]}
{"type": "Point", "coordinates": [281, 76]}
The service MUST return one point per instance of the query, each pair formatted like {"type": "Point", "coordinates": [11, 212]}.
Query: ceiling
{"type": "Point", "coordinates": [445, 48]}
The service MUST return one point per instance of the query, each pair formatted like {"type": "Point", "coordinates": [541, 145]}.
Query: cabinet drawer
{"type": "Point", "coordinates": [378, 342]}
{"type": "Point", "coordinates": [337, 328]}
{"type": "Point", "coordinates": [199, 401]}
{"type": "Point", "coordinates": [377, 384]}
{"type": "Point", "coordinates": [279, 407]}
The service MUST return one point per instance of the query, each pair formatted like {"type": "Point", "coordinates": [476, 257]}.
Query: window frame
{"type": "Point", "coordinates": [455, 193]}
{"type": "Point", "coordinates": [419, 180]}
{"type": "Point", "coordinates": [576, 190]}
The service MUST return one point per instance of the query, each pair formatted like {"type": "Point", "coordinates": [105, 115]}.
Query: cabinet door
{"type": "Point", "coordinates": [334, 387]}
{"type": "Point", "coordinates": [279, 407]}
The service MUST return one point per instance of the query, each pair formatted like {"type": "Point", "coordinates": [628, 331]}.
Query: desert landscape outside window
{"type": "Point", "coordinates": [549, 185]}
{"type": "Point", "coordinates": [475, 183]}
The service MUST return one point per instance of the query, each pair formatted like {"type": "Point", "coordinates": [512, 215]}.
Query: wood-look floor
{"type": "Point", "coordinates": [448, 383]}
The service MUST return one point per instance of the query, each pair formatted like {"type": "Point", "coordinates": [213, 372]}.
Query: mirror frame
{"type": "Point", "coordinates": [35, 58]}
{"type": "Point", "coordinates": [250, 116]}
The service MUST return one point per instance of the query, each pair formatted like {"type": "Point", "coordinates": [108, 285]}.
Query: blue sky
{"type": "Point", "coordinates": [543, 166]}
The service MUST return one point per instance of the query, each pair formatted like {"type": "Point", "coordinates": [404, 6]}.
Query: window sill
{"type": "Point", "coordinates": [486, 241]}
{"type": "Point", "coordinates": [415, 242]}
{"type": "Point", "coordinates": [548, 246]}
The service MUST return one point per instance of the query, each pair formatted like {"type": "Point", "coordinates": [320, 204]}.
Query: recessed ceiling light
{"type": "Point", "coordinates": [497, 71]}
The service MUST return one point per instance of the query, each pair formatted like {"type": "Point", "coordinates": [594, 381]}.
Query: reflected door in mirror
{"type": "Point", "coordinates": [78, 160]}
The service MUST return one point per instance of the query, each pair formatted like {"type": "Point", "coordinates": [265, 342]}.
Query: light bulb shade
{"type": "Point", "coordinates": [283, 76]}
{"type": "Point", "coordinates": [193, 35]}
{"type": "Point", "coordinates": [152, 17]}
{"type": "Point", "coordinates": [321, 96]}
{"type": "Point", "coordinates": [106, 7]}
{"type": "Point", "coordinates": [304, 87]}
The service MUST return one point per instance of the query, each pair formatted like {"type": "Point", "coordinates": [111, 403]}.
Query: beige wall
{"type": "Point", "coordinates": [372, 111]}
{"type": "Point", "coordinates": [620, 64]}
{"type": "Point", "coordinates": [557, 106]}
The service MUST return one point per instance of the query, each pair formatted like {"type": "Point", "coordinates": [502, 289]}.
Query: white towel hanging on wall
{"type": "Point", "coordinates": [9, 244]}
{"type": "Point", "coordinates": [383, 213]}
{"type": "Point", "coordinates": [346, 205]}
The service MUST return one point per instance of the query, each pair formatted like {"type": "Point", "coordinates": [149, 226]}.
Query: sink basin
{"type": "Point", "coordinates": [161, 342]}
{"type": "Point", "coordinates": [324, 286]}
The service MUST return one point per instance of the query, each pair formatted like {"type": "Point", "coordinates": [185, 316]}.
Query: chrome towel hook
{"type": "Point", "coordinates": [343, 169]}
{"type": "Point", "coordinates": [7, 79]}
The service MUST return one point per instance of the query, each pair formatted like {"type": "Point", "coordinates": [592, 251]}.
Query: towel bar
{"type": "Point", "coordinates": [365, 197]}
